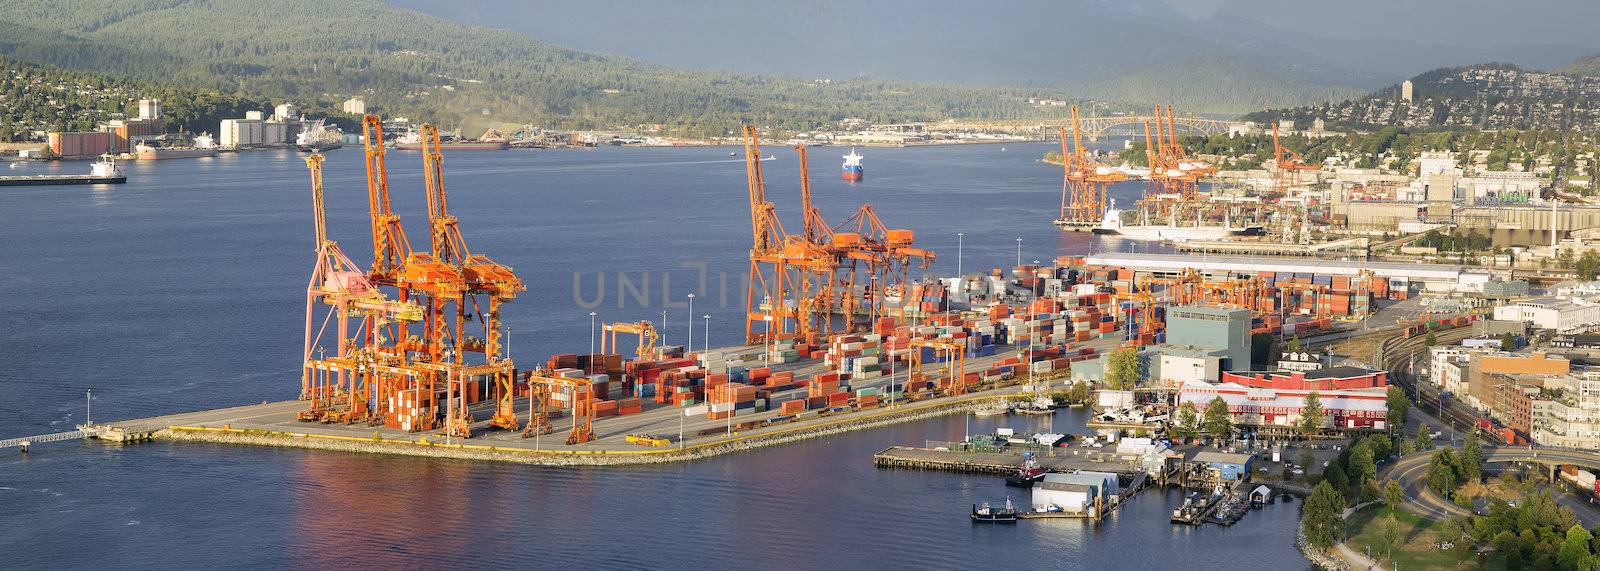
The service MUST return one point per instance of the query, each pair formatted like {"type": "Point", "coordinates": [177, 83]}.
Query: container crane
{"type": "Point", "coordinates": [542, 386]}
{"type": "Point", "coordinates": [769, 268]}
{"type": "Point", "coordinates": [1084, 185]}
{"type": "Point", "coordinates": [343, 287]}
{"type": "Point", "coordinates": [1287, 166]}
{"type": "Point", "coordinates": [954, 353]}
{"type": "Point", "coordinates": [481, 277]}
{"type": "Point", "coordinates": [646, 349]}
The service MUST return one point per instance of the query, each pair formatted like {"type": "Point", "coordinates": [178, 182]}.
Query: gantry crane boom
{"type": "Point", "coordinates": [389, 244]}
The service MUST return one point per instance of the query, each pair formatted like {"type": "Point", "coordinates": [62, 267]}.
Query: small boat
{"type": "Point", "coordinates": [16, 165]}
{"type": "Point", "coordinates": [985, 514]}
{"type": "Point", "coordinates": [732, 154]}
{"type": "Point", "coordinates": [1027, 474]}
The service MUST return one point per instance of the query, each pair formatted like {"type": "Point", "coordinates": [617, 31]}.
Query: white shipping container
{"type": "Point", "coordinates": [695, 410]}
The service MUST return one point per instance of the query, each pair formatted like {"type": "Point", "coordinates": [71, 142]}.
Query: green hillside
{"type": "Point", "coordinates": [1211, 84]}
{"type": "Point", "coordinates": [463, 77]}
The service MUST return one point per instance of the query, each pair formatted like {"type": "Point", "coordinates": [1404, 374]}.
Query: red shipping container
{"type": "Point", "coordinates": [792, 407]}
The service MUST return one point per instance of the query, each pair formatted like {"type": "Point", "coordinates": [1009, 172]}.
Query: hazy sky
{"type": "Point", "coordinates": [1350, 43]}
{"type": "Point", "coordinates": [1440, 22]}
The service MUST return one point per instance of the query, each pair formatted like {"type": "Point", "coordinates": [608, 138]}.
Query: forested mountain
{"type": "Point", "coordinates": [47, 98]}
{"type": "Point", "coordinates": [463, 77]}
{"type": "Point", "coordinates": [1488, 96]}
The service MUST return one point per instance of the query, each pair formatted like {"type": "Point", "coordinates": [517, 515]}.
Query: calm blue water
{"type": "Point", "coordinates": [184, 289]}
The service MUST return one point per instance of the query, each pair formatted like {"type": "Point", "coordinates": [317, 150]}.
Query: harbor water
{"type": "Point", "coordinates": [184, 289]}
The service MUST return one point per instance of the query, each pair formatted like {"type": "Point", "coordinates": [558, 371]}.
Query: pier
{"type": "Point", "coordinates": [1006, 463]}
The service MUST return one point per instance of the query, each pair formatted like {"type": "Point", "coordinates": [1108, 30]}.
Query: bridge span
{"type": "Point", "coordinates": [1093, 127]}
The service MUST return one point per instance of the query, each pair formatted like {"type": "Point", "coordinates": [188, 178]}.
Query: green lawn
{"type": "Point", "coordinates": [1412, 543]}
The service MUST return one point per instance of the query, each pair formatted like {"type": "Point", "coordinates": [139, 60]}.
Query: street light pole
{"type": "Point", "coordinates": [87, 397]}
{"type": "Point", "coordinates": [707, 333]}
{"type": "Point", "coordinates": [592, 334]}
{"type": "Point", "coordinates": [960, 241]}
{"type": "Point", "coordinates": [1019, 250]}
{"type": "Point", "coordinates": [688, 341]}
{"type": "Point", "coordinates": [663, 327]}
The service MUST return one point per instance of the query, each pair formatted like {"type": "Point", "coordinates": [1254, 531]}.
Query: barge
{"type": "Point", "coordinates": [104, 171]}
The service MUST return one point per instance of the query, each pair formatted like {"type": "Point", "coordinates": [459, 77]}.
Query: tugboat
{"type": "Point", "coordinates": [985, 514]}
{"type": "Point", "coordinates": [1026, 475]}
{"type": "Point", "coordinates": [852, 167]}
{"type": "Point", "coordinates": [1038, 405]}
{"type": "Point", "coordinates": [996, 408]}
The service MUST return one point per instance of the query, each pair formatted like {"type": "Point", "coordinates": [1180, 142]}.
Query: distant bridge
{"type": "Point", "coordinates": [1093, 127]}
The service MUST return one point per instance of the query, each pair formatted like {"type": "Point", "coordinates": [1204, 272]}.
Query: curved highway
{"type": "Point", "coordinates": [1412, 473]}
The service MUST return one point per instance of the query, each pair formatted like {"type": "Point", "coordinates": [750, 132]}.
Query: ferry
{"type": "Point", "coordinates": [852, 166]}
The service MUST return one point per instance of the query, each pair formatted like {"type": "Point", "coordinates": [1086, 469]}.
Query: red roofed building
{"type": "Point", "coordinates": [1326, 379]}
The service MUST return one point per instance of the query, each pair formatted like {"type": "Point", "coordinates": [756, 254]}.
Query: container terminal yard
{"type": "Point", "coordinates": [418, 364]}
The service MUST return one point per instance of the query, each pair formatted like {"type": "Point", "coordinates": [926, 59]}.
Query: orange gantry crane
{"type": "Point", "coordinates": [487, 285]}
{"type": "Point", "coordinates": [889, 254]}
{"type": "Point", "coordinates": [952, 377]}
{"type": "Point", "coordinates": [1287, 166]}
{"type": "Point", "coordinates": [543, 388]}
{"type": "Point", "coordinates": [1085, 182]}
{"type": "Point", "coordinates": [646, 331]}
{"type": "Point", "coordinates": [770, 272]}
{"type": "Point", "coordinates": [340, 388]}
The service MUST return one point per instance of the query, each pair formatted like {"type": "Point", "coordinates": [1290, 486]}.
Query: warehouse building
{"type": "Point", "coordinates": [1278, 410]}
{"type": "Point", "coordinates": [1225, 466]}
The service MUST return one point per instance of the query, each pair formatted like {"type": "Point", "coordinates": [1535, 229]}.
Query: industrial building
{"type": "Point", "coordinates": [1562, 315]}
{"type": "Point", "coordinates": [1225, 466]}
{"type": "Point", "coordinates": [80, 144]}
{"type": "Point", "coordinates": [1077, 492]}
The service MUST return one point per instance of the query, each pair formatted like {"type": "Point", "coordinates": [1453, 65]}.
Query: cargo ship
{"type": "Point", "coordinates": [104, 171]}
{"type": "Point", "coordinates": [1112, 225]}
{"type": "Point", "coordinates": [204, 146]}
{"type": "Point", "coordinates": [852, 166]}
{"type": "Point", "coordinates": [315, 137]}
{"type": "Point", "coordinates": [413, 142]}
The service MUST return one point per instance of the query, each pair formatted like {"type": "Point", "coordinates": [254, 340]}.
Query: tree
{"type": "Point", "coordinates": [1320, 517]}
{"type": "Point", "coordinates": [1293, 345]}
{"type": "Point", "coordinates": [1587, 266]}
{"type": "Point", "coordinates": [1424, 438]}
{"type": "Point", "coordinates": [1218, 423]}
{"type": "Point", "coordinates": [1078, 393]}
{"type": "Point", "coordinates": [1122, 369]}
{"type": "Point", "coordinates": [1186, 422]}
{"type": "Point", "coordinates": [1382, 447]}
{"type": "Point", "coordinates": [1442, 476]}
{"type": "Point", "coordinates": [1393, 495]}
{"type": "Point", "coordinates": [1470, 463]}
{"type": "Point", "coordinates": [1508, 342]}
{"type": "Point", "coordinates": [1312, 417]}
{"type": "Point", "coordinates": [1398, 405]}
{"type": "Point", "coordinates": [1574, 553]}
{"type": "Point", "coordinates": [1361, 465]}
{"type": "Point", "coordinates": [1430, 340]}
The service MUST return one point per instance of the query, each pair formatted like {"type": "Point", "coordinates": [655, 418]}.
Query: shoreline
{"type": "Point", "coordinates": [425, 447]}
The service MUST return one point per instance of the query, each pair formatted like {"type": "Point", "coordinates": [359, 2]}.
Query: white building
{"type": "Point", "coordinates": [1076, 492]}
{"type": "Point", "coordinates": [1437, 162]}
{"type": "Point", "coordinates": [149, 109]}
{"type": "Point", "coordinates": [237, 133]}
{"type": "Point", "coordinates": [285, 111]}
{"type": "Point", "coordinates": [1500, 186]}
{"type": "Point", "coordinates": [1572, 419]}
{"type": "Point", "coordinates": [355, 106]}
{"type": "Point", "coordinates": [1406, 91]}
{"type": "Point", "coordinates": [1562, 315]}
{"type": "Point", "coordinates": [1447, 367]}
